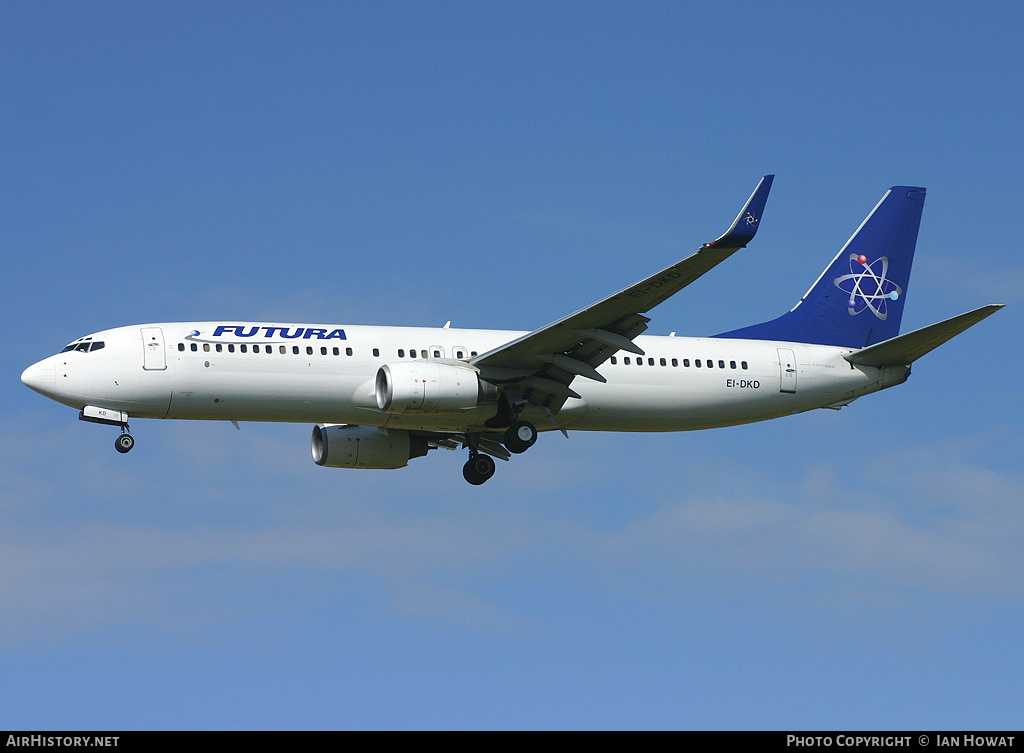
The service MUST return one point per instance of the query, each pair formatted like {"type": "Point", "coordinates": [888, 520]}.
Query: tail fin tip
{"type": "Point", "coordinates": [858, 300]}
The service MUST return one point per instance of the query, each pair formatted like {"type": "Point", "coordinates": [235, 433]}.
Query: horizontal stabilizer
{"type": "Point", "coordinates": [905, 349]}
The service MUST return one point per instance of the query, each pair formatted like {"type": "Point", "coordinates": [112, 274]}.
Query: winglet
{"type": "Point", "coordinates": [745, 225]}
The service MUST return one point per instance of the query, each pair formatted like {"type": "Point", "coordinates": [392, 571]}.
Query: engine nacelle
{"type": "Point", "coordinates": [430, 387]}
{"type": "Point", "coordinates": [348, 446]}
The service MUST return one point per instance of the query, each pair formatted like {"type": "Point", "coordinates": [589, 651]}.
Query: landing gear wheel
{"type": "Point", "coordinates": [124, 443]}
{"type": "Point", "coordinates": [478, 469]}
{"type": "Point", "coordinates": [520, 436]}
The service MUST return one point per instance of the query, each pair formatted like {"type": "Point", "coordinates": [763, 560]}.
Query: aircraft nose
{"type": "Point", "coordinates": [40, 377]}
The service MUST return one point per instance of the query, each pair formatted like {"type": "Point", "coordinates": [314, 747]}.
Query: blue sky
{"type": "Point", "coordinates": [500, 165]}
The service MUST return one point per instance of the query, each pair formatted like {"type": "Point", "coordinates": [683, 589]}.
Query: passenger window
{"type": "Point", "coordinates": [295, 350]}
{"type": "Point", "coordinates": [458, 354]}
{"type": "Point", "coordinates": [650, 361]}
{"type": "Point", "coordinates": [348, 351]}
{"type": "Point", "coordinates": [336, 352]}
{"type": "Point", "coordinates": [437, 354]}
{"type": "Point", "coordinates": [231, 348]}
{"type": "Point", "coordinates": [220, 347]}
{"type": "Point", "coordinates": [696, 362]}
{"type": "Point", "coordinates": [206, 347]}
{"type": "Point", "coordinates": [376, 352]}
{"type": "Point", "coordinates": [244, 348]}
{"type": "Point", "coordinates": [721, 364]}
{"type": "Point", "coordinates": [625, 360]}
{"type": "Point", "coordinates": [181, 346]}
{"type": "Point", "coordinates": [194, 347]}
{"type": "Point", "coordinates": [401, 353]}
{"type": "Point", "coordinates": [473, 353]}
{"type": "Point", "coordinates": [663, 362]}
{"type": "Point", "coordinates": [309, 350]}
{"type": "Point", "coordinates": [284, 350]}
{"type": "Point", "coordinates": [711, 364]}
{"type": "Point", "coordinates": [423, 354]}
{"type": "Point", "coordinates": [323, 351]}
{"type": "Point", "coordinates": [743, 364]}
{"type": "Point", "coordinates": [675, 362]}
{"type": "Point", "coordinates": [686, 363]}
{"type": "Point", "coordinates": [732, 364]}
{"type": "Point", "coordinates": [614, 360]}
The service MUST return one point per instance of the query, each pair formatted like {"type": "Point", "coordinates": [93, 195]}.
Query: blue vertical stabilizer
{"type": "Point", "coordinates": [858, 300]}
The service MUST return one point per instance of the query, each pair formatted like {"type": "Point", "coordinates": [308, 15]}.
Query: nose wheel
{"type": "Point", "coordinates": [124, 443]}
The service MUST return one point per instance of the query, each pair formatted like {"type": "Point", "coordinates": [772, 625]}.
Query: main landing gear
{"type": "Point", "coordinates": [518, 437]}
{"type": "Point", "coordinates": [478, 468]}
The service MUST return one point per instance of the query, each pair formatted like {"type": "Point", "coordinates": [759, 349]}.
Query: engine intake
{"type": "Point", "coordinates": [430, 387]}
{"type": "Point", "coordinates": [349, 446]}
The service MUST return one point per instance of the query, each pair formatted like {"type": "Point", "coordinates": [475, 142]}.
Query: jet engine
{"type": "Point", "coordinates": [430, 387]}
{"type": "Point", "coordinates": [348, 446]}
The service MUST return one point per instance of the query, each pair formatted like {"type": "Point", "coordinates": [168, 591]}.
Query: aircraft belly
{"type": "Point", "coordinates": [708, 400]}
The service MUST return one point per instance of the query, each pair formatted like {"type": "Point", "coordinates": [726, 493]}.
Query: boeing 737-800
{"type": "Point", "coordinates": [380, 396]}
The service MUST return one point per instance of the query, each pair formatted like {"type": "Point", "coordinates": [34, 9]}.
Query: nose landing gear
{"type": "Point", "coordinates": [125, 442]}
{"type": "Point", "coordinates": [110, 417]}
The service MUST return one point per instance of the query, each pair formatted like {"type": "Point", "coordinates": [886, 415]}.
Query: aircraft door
{"type": "Point", "coordinates": [154, 355]}
{"type": "Point", "coordinates": [787, 370]}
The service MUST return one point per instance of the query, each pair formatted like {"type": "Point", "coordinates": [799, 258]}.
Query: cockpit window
{"type": "Point", "coordinates": [84, 346]}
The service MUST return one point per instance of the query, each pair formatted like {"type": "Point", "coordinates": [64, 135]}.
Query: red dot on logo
{"type": "Point", "coordinates": [862, 259]}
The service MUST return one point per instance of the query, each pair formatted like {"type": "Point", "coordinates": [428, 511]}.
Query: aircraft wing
{"type": "Point", "coordinates": [544, 362]}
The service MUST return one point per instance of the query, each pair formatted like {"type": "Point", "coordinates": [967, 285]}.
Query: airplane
{"type": "Point", "coordinates": [381, 396]}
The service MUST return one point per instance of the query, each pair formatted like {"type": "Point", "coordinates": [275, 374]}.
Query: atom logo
{"type": "Point", "coordinates": [751, 219]}
{"type": "Point", "coordinates": [867, 286]}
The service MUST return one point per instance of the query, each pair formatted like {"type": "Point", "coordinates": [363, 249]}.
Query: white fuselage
{"type": "Point", "coordinates": [325, 373]}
